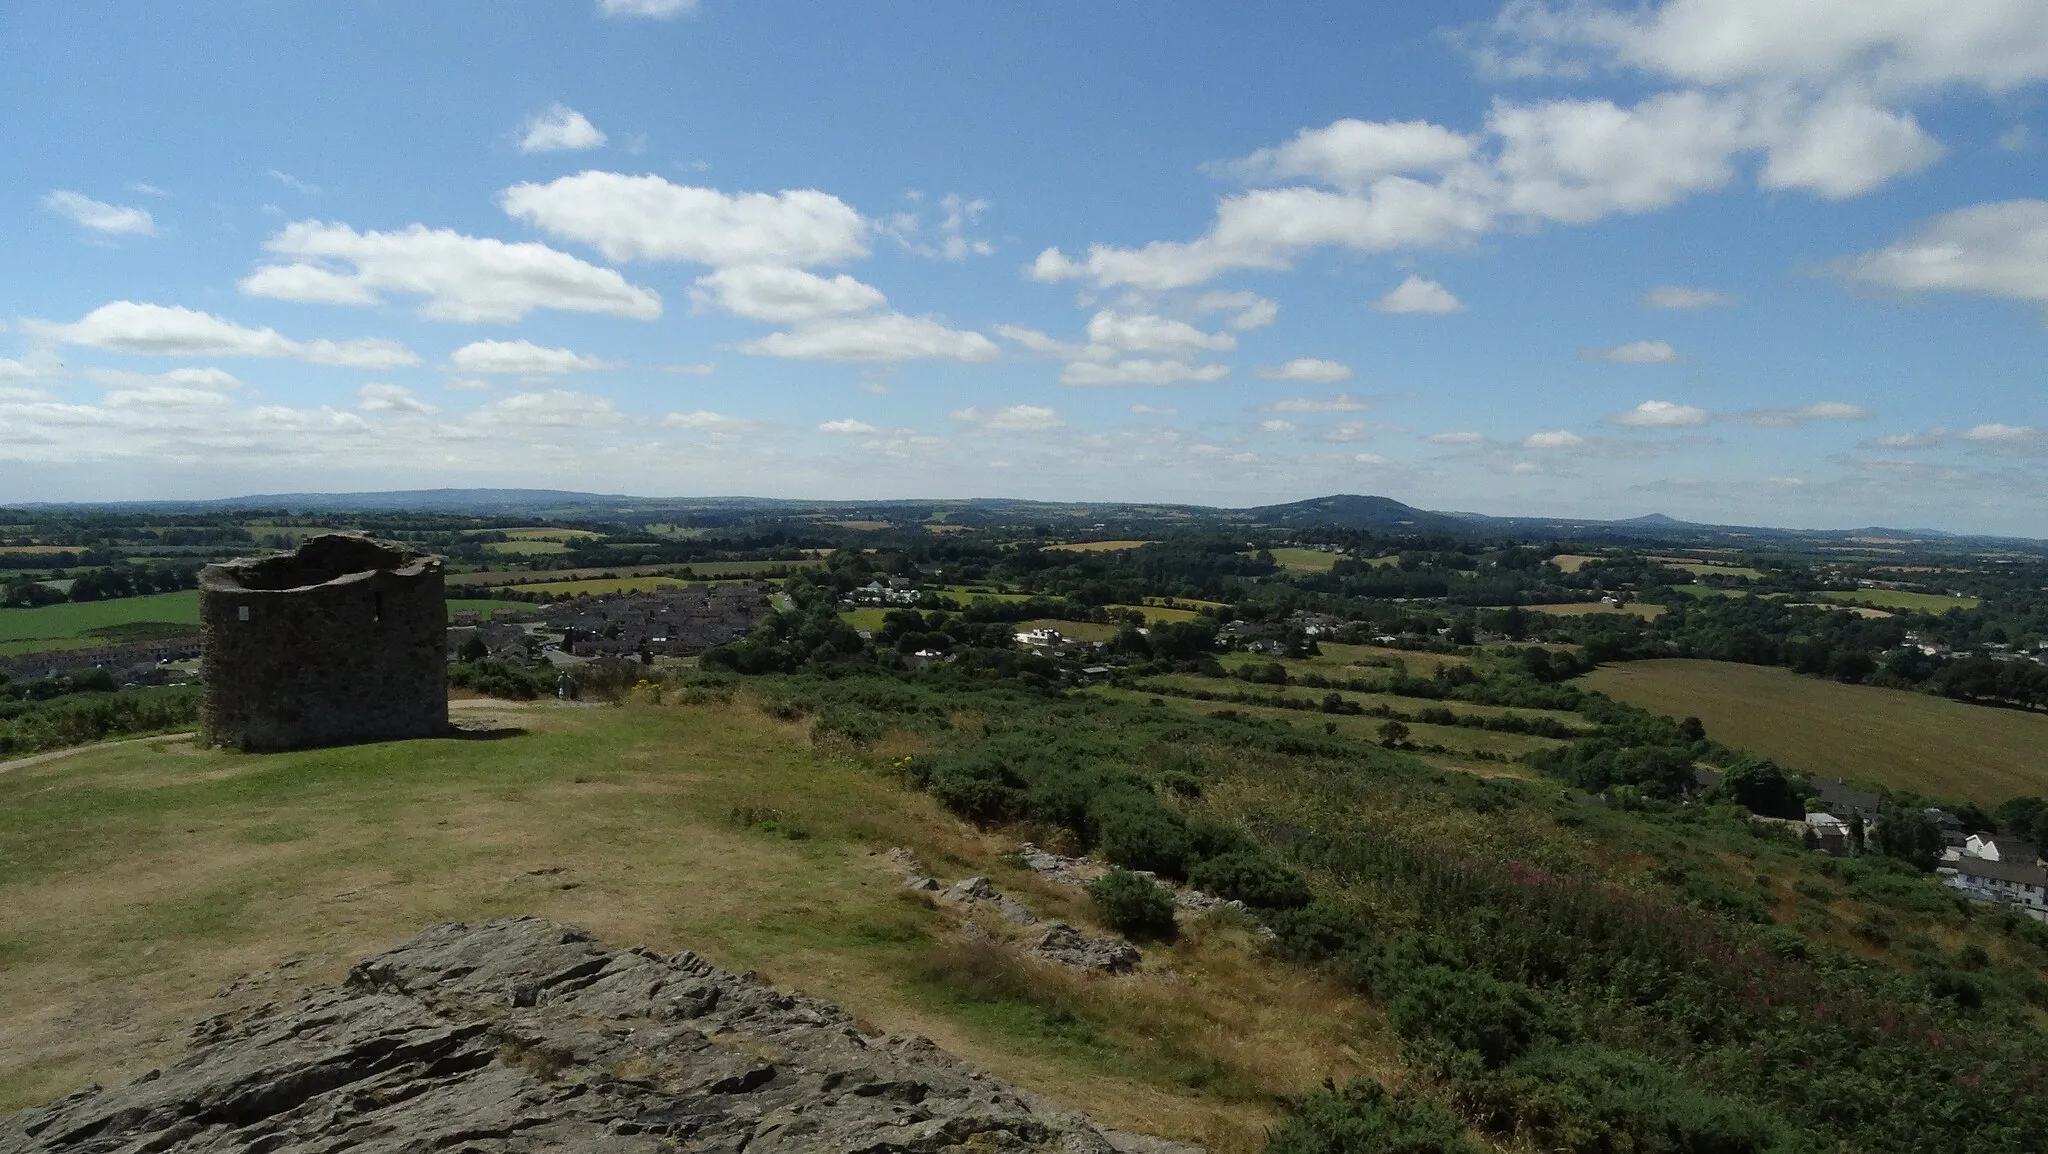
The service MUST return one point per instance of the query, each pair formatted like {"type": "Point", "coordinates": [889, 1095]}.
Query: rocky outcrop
{"type": "Point", "coordinates": [528, 1035]}
{"type": "Point", "coordinates": [1055, 942]}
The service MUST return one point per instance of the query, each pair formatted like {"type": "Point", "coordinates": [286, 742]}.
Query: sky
{"type": "Point", "coordinates": [1775, 262]}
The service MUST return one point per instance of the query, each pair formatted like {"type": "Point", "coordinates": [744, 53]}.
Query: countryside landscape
{"type": "Point", "coordinates": [1524, 829]}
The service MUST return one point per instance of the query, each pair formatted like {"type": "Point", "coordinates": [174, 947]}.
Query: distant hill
{"type": "Point", "coordinates": [1351, 511]}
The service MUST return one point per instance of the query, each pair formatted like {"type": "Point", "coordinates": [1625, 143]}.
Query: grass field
{"type": "Point", "coordinates": [869, 619]}
{"type": "Point", "coordinates": [37, 550]}
{"type": "Point", "coordinates": [525, 548]}
{"type": "Point", "coordinates": [1154, 614]}
{"type": "Point", "coordinates": [1708, 591]}
{"type": "Point", "coordinates": [1071, 630]}
{"type": "Point", "coordinates": [1222, 685]}
{"type": "Point", "coordinates": [968, 594]}
{"type": "Point", "coordinates": [1582, 608]}
{"type": "Point", "coordinates": [84, 624]}
{"type": "Point", "coordinates": [597, 586]}
{"type": "Point", "coordinates": [1900, 739]}
{"type": "Point", "coordinates": [1709, 568]}
{"type": "Point", "coordinates": [1573, 562]}
{"type": "Point", "coordinates": [138, 880]}
{"type": "Point", "coordinates": [1306, 560]}
{"type": "Point", "coordinates": [1457, 739]}
{"type": "Point", "coordinates": [702, 569]}
{"type": "Point", "coordinates": [1900, 599]}
{"type": "Point", "coordinates": [547, 533]}
{"type": "Point", "coordinates": [1100, 546]}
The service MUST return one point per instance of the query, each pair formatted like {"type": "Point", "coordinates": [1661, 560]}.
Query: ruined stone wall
{"type": "Point", "coordinates": [343, 641]}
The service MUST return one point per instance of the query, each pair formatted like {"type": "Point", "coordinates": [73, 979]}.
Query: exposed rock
{"type": "Point", "coordinates": [979, 891]}
{"type": "Point", "coordinates": [1195, 901]}
{"type": "Point", "coordinates": [1068, 946]}
{"type": "Point", "coordinates": [528, 1035]}
{"type": "Point", "coordinates": [1052, 867]}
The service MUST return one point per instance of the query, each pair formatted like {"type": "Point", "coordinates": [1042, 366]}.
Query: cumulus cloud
{"type": "Point", "coordinates": [1999, 434]}
{"type": "Point", "coordinates": [558, 128]}
{"type": "Point", "coordinates": [463, 278]}
{"type": "Point", "coordinates": [520, 358]}
{"type": "Point", "coordinates": [2018, 138]}
{"type": "Point", "coordinates": [1276, 425]}
{"type": "Point", "coordinates": [1153, 411]}
{"type": "Point", "coordinates": [1420, 296]}
{"type": "Point", "coordinates": [1120, 332]}
{"type": "Point", "coordinates": [698, 369]}
{"type": "Point", "coordinates": [1818, 411]}
{"type": "Point", "coordinates": [651, 9]}
{"type": "Point", "coordinates": [1456, 438]}
{"type": "Point", "coordinates": [1998, 249]}
{"type": "Point", "coordinates": [1354, 153]}
{"type": "Point", "coordinates": [783, 295]}
{"type": "Point", "coordinates": [847, 426]}
{"type": "Point", "coordinates": [1671, 296]}
{"type": "Point", "coordinates": [553, 409]}
{"type": "Point", "coordinates": [1308, 370]}
{"type": "Point", "coordinates": [1140, 372]}
{"type": "Point", "coordinates": [704, 420]}
{"type": "Point", "coordinates": [1248, 310]}
{"type": "Point", "coordinates": [99, 216]}
{"type": "Point", "coordinates": [1013, 419]}
{"type": "Point", "coordinates": [1662, 414]}
{"type": "Point", "coordinates": [211, 379]}
{"type": "Point", "coordinates": [1555, 439]}
{"type": "Point", "coordinates": [648, 218]}
{"type": "Point", "coordinates": [171, 331]}
{"type": "Point", "coordinates": [378, 397]}
{"type": "Point", "coordinates": [881, 337]}
{"type": "Point", "coordinates": [957, 214]}
{"type": "Point", "coordinates": [1634, 353]}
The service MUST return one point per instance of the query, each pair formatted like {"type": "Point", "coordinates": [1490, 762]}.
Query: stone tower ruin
{"type": "Point", "coordinates": [345, 640]}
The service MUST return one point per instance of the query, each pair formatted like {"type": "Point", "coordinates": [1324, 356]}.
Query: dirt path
{"type": "Point", "coordinates": [54, 754]}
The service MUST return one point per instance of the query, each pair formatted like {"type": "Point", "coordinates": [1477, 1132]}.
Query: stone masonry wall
{"type": "Point", "coordinates": [353, 656]}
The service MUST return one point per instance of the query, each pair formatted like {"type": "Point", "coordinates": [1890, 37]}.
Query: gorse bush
{"type": "Point", "coordinates": [1361, 1117]}
{"type": "Point", "coordinates": [78, 719]}
{"type": "Point", "coordinates": [1134, 905]}
{"type": "Point", "coordinates": [1252, 878]}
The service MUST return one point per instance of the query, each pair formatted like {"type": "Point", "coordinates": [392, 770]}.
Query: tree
{"type": "Point", "coordinates": [1393, 734]}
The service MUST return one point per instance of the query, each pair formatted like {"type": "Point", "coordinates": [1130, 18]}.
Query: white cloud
{"type": "Point", "coordinates": [1014, 419]}
{"type": "Point", "coordinates": [647, 218]}
{"type": "Point", "coordinates": [1662, 414]}
{"type": "Point", "coordinates": [1998, 249]}
{"type": "Point", "coordinates": [559, 128]}
{"type": "Point", "coordinates": [700, 369]}
{"type": "Point", "coordinates": [1456, 438]}
{"type": "Point", "coordinates": [1555, 439]}
{"type": "Point", "coordinates": [521, 358]}
{"type": "Point", "coordinates": [847, 426]}
{"type": "Point", "coordinates": [164, 397]}
{"type": "Point", "coordinates": [1140, 372]}
{"type": "Point", "coordinates": [1818, 411]}
{"type": "Point", "coordinates": [170, 331]}
{"type": "Point", "coordinates": [707, 421]}
{"type": "Point", "coordinates": [1421, 296]}
{"type": "Point", "coordinates": [1153, 411]}
{"type": "Point", "coordinates": [1892, 45]}
{"type": "Point", "coordinates": [1845, 147]}
{"type": "Point", "coordinates": [378, 397]}
{"type": "Point", "coordinates": [1249, 310]}
{"type": "Point", "coordinates": [1345, 432]}
{"type": "Point", "coordinates": [1276, 425]}
{"type": "Point", "coordinates": [1634, 353]}
{"type": "Point", "coordinates": [1354, 153]}
{"type": "Point", "coordinates": [153, 190]}
{"type": "Point", "coordinates": [99, 216]}
{"type": "Point", "coordinates": [1671, 296]}
{"type": "Point", "coordinates": [652, 9]}
{"type": "Point", "coordinates": [215, 380]}
{"type": "Point", "coordinates": [294, 183]}
{"type": "Point", "coordinates": [957, 215]}
{"type": "Point", "coordinates": [883, 337]}
{"type": "Point", "coordinates": [2018, 138]}
{"type": "Point", "coordinates": [1340, 403]}
{"type": "Point", "coordinates": [554, 409]}
{"type": "Point", "coordinates": [782, 295]}
{"type": "Point", "coordinates": [463, 278]}
{"type": "Point", "coordinates": [1579, 160]}
{"type": "Point", "coordinates": [1113, 332]}
{"type": "Point", "coordinates": [14, 371]}
{"type": "Point", "coordinates": [1308, 370]}
{"type": "Point", "coordinates": [1369, 459]}
{"type": "Point", "coordinates": [468, 384]}
{"type": "Point", "coordinates": [1996, 434]}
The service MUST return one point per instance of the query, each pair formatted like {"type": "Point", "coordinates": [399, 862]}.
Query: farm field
{"type": "Point", "coordinates": [1099, 546]}
{"type": "Point", "coordinates": [1071, 630]}
{"type": "Point", "coordinates": [1710, 568]}
{"type": "Point", "coordinates": [1455, 738]}
{"type": "Point", "coordinates": [141, 879]}
{"type": "Point", "coordinates": [1573, 562]}
{"type": "Point", "coordinates": [1155, 614]}
{"type": "Point", "coordinates": [526, 548]}
{"type": "Point", "coordinates": [866, 618]}
{"type": "Point", "coordinates": [1641, 609]}
{"type": "Point", "coordinates": [1181, 603]}
{"type": "Point", "coordinates": [1343, 660]}
{"type": "Point", "coordinates": [85, 624]}
{"type": "Point", "coordinates": [968, 594]}
{"type": "Point", "coordinates": [1306, 560]}
{"type": "Point", "coordinates": [703, 569]}
{"type": "Point", "coordinates": [1900, 739]}
{"type": "Point", "coordinates": [547, 533]}
{"type": "Point", "coordinates": [1311, 696]}
{"type": "Point", "coordinates": [597, 586]}
{"type": "Point", "coordinates": [1900, 599]}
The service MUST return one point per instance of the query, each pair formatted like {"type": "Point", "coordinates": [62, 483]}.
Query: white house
{"type": "Point", "coordinates": [2020, 884]}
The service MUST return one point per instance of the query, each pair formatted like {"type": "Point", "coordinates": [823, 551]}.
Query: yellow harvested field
{"type": "Point", "coordinates": [528, 547]}
{"type": "Point", "coordinates": [1905, 740]}
{"type": "Point", "coordinates": [546, 533]}
{"type": "Point", "coordinates": [1585, 608]}
{"type": "Point", "coordinates": [1100, 546]}
{"type": "Point", "coordinates": [1572, 562]}
{"type": "Point", "coordinates": [39, 550]}
{"type": "Point", "coordinates": [862, 526]}
{"type": "Point", "coordinates": [597, 586]}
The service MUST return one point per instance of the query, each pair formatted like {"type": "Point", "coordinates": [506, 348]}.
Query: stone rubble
{"type": "Point", "coordinates": [1059, 942]}
{"type": "Point", "coordinates": [528, 1035]}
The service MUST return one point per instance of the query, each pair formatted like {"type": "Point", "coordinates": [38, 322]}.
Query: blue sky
{"type": "Point", "coordinates": [1766, 261]}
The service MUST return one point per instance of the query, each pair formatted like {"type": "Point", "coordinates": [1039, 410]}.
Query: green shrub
{"type": "Point", "coordinates": [1137, 832]}
{"type": "Point", "coordinates": [1252, 878]}
{"type": "Point", "coordinates": [1363, 1118]}
{"type": "Point", "coordinates": [1599, 1101]}
{"type": "Point", "coordinates": [1442, 1012]}
{"type": "Point", "coordinates": [1317, 932]}
{"type": "Point", "coordinates": [1134, 905]}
